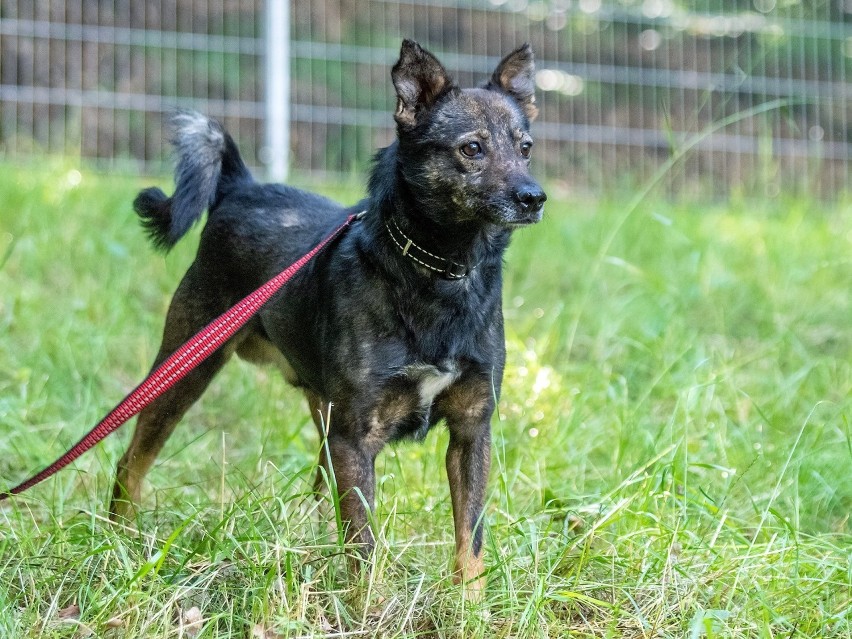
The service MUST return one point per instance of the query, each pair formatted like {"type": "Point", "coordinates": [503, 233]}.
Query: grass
{"type": "Point", "coordinates": [670, 459]}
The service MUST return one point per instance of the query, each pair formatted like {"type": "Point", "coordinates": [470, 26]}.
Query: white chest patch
{"type": "Point", "coordinates": [431, 380]}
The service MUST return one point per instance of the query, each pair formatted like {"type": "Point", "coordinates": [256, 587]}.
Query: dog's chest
{"type": "Point", "coordinates": [430, 380]}
{"type": "Point", "coordinates": [405, 407]}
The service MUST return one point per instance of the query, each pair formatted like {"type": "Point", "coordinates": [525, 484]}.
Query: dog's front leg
{"type": "Point", "coordinates": [468, 463]}
{"type": "Point", "coordinates": [353, 469]}
{"type": "Point", "coordinates": [468, 410]}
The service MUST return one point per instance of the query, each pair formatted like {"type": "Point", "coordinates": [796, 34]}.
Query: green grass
{"type": "Point", "coordinates": [671, 456]}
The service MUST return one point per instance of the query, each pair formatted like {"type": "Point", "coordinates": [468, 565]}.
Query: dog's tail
{"type": "Point", "coordinates": [208, 165]}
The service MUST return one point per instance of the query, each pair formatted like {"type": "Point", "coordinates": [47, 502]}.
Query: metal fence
{"type": "Point", "coordinates": [755, 89]}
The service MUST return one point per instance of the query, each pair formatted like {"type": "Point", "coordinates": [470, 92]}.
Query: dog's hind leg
{"type": "Point", "coordinates": [187, 315]}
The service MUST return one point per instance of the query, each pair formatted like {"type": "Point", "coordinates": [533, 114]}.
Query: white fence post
{"type": "Point", "coordinates": [277, 98]}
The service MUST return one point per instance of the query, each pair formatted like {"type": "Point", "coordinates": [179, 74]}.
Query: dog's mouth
{"type": "Point", "coordinates": [533, 218]}
{"type": "Point", "coordinates": [512, 218]}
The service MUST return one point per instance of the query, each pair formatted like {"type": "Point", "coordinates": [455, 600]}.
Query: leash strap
{"type": "Point", "coordinates": [181, 362]}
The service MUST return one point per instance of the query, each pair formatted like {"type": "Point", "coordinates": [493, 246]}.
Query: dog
{"type": "Point", "coordinates": [398, 323]}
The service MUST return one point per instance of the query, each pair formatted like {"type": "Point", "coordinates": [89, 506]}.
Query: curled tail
{"type": "Point", "coordinates": [208, 163]}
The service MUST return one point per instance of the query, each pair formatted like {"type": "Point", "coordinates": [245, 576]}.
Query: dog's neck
{"type": "Point", "coordinates": [400, 217]}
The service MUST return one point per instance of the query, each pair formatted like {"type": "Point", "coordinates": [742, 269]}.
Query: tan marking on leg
{"type": "Point", "coordinates": [469, 569]}
{"type": "Point", "coordinates": [127, 491]}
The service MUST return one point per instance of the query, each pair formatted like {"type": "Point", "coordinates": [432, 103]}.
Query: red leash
{"type": "Point", "coordinates": [181, 362]}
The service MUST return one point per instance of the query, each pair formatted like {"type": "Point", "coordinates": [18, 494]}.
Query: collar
{"type": "Point", "coordinates": [447, 268]}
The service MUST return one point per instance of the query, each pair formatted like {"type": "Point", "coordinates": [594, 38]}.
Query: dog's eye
{"type": "Point", "coordinates": [526, 149]}
{"type": "Point", "coordinates": [471, 149]}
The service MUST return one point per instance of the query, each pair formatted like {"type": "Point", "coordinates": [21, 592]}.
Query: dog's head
{"type": "Point", "coordinates": [465, 153]}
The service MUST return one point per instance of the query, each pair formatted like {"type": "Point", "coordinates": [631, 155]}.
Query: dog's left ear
{"type": "Point", "coordinates": [419, 80]}
{"type": "Point", "coordinates": [516, 76]}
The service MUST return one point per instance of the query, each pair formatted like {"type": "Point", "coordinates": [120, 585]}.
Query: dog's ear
{"type": "Point", "coordinates": [419, 80]}
{"type": "Point", "coordinates": [516, 76]}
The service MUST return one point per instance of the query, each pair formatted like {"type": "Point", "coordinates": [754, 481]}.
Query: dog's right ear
{"type": "Point", "coordinates": [419, 80]}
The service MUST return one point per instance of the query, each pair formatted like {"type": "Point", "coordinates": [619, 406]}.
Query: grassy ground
{"type": "Point", "coordinates": [671, 457]}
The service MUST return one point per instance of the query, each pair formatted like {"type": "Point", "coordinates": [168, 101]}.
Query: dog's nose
{"type": "Point", "coordinates": [530, 197]}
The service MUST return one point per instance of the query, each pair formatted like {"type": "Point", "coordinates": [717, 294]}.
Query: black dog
{"type": "Point", "coordinates": [398, 324]}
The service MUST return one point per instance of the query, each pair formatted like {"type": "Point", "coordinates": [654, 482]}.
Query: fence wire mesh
{"type": "Point", "coordinates": [758, 86]}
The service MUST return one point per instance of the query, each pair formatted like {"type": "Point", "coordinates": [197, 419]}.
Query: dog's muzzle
{"type": "Point", "coordinates": [529, 202]}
